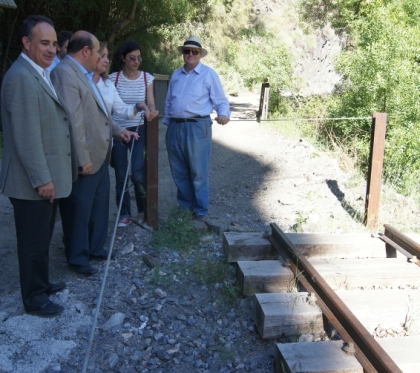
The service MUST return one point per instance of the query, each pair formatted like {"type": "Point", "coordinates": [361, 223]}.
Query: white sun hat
{"type": "Point", "coordinates": [193, 42]}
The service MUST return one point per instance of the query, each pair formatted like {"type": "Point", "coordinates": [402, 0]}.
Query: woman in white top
{"type": "Point", "coordinates": [132, 86]}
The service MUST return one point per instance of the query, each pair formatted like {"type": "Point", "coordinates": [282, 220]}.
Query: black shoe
{"type": "Point", "coordinates": [103, 256]}
{"type": "Point", "coordinates": [55, 288]}
{"type": "Point", "coordinates": [48, 309]}
{"type": "Point", "coordinates": [87, 270]}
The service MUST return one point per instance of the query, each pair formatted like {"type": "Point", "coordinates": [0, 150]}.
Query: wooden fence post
{"type": "Point", "coordinates": [265, 95]}
{"type": "Point", "coordinates": [151, 165]}
{"type": "Point", "coordinates": [376, 159]}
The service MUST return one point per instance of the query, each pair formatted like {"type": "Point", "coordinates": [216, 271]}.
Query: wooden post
{"type": "Point", "coordinates": [376, 159]}
{"type": "Point", "coordinates": [152, 152]}
{"type": "Point", "coordinates": [160, 88]}
{"type": "Point", "coordinates": [265, 95]}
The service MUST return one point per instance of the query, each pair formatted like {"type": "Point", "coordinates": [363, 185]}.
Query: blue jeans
{"type": "Point", "coordinates": [119, 160]}
{"type": "Point", "coordinates": [189, 147]}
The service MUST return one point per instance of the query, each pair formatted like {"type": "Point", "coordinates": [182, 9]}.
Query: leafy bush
{"type": "Point", "coordinates": [380, 74]}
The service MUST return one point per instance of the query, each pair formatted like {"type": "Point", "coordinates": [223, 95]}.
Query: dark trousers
{"type": "Point", "coordinates": [119, 160]}
{"type": "Point", "coordinates": [34, 221]}
{"type": "Point", "coordinates": [84, 216]}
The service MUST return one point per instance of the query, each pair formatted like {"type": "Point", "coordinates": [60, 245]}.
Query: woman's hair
{"type": "Point", "coordinates": [102, 46]}
{"type": "Point", "coordinates": [122, 51]}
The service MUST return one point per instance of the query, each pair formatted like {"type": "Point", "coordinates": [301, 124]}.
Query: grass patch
{"type": "Point", "coordinates": [208, 270]}
{"type": "Point", "coordinates": [231, 293]}
{"type": "Point", "coordinates": [176, 233]}
{"type": "Point", "coordinates": [159, 277]}
{"type": "Point", "coordinates": [301, 219]}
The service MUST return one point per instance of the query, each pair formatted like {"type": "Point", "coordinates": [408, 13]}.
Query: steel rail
{"type": "Point", "coordinates": [402, 240]}
{"type": "Point", "coordinates": [410, 257]}
{"type": "Point", "coordinates": [369, 353]}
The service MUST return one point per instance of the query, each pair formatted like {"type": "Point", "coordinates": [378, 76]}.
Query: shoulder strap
{"type": "Point", "coordinates": [145, 86]}
{"type": "Point", "coordinates": [116, 79]}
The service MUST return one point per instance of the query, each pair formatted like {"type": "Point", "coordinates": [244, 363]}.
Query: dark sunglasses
{"type": "Point", "coordinates": [187, 51]}
{"type": "Point", "coordinates": [134, 58]}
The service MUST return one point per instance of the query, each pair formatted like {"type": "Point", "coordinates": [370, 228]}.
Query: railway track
{"type": "Point", "coordinates": [357, 295]}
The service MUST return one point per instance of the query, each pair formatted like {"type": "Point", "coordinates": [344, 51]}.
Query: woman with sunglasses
{"type": "Point", "coordinates": [133, 86]}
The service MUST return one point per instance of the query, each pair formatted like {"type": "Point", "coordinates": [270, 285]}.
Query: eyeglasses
{"type": "Point", "coordinates": [187, 51]}
{"type": "Point", "coordinates": [134, 58]}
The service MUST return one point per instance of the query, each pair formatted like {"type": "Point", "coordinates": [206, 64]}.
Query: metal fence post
{"type": "Point", "coordinates": [376, 160]}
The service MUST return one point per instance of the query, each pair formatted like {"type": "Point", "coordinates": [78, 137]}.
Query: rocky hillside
{"type": "Point", "coordinates": [314, 52]}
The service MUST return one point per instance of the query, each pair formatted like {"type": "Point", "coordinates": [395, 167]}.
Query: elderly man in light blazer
{"type": "Point", "coordinates": [36, 167]}
{"type": "Point", "coordinates": [85, 212]}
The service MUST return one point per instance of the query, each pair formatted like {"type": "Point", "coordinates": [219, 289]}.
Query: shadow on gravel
{"type": "Point", "coordinates": [236, 178]}
{"type": "Point", "coordinates": [335, 189]}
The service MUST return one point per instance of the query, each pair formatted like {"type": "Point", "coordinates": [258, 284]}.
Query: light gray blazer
{"type": "Point", "coordinates": [36, 134]}
{"type": "Point", "coordinates": [92, 127]}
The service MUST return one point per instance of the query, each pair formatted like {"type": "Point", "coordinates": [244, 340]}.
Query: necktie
{"type": "Point", "coordinates": [95, 89]}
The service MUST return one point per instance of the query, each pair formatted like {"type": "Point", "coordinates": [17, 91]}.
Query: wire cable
{"type": "Point", "coordinates": [287, 119]}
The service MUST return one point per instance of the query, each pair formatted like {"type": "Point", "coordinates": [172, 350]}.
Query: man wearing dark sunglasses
{"type": "Point", "coordinates": [194, 91]}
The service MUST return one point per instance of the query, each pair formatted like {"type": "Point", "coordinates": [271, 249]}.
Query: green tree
{"type": "Point", "coordinates": [112, 20]}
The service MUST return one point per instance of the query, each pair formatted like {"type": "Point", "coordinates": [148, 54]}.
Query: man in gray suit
{"type": "Point", "coordinates": [85, 212]}
{"type": "Point", "coordinates": [37, 164]}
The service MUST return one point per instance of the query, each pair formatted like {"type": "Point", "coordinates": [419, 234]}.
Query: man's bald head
{"type": "Point", "coordinates": [79, 40]}
{"type": "Point", "coordinates": [84, 48]}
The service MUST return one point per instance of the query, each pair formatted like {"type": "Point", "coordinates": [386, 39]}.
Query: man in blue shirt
{"type": "Point", "coordinates": [194, 90]}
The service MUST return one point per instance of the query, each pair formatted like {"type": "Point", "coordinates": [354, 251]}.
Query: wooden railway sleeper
{"type": "Point", "coordinates": [368, 352]}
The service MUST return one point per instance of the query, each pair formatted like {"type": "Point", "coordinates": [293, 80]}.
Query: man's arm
{"type": "Point", "coordinates": [166, 119]}
{"type": "Point", "coordinates": [219, 100]}
{"type": "Point", "coordinates": [23, 105]}
{"type": "Point", "coordinates": [66, 86]}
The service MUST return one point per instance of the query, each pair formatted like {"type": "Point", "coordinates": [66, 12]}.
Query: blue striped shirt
{"type": "Point", "coordinates": [195, 94]}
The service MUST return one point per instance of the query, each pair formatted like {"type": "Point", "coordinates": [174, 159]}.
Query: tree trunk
{"type": "Point", "coordinates": [6, 52]}
{"type": "Point", "coordinates": [120, 26]}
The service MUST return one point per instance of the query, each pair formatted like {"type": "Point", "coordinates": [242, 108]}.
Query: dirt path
{"type": "Point", "coordinates": [257, 177]}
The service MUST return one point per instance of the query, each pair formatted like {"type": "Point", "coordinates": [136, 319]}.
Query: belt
{"type": "Point", "coordinates": [191, 119]}
{"type": "Point", "coordinates": [134, 128]}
